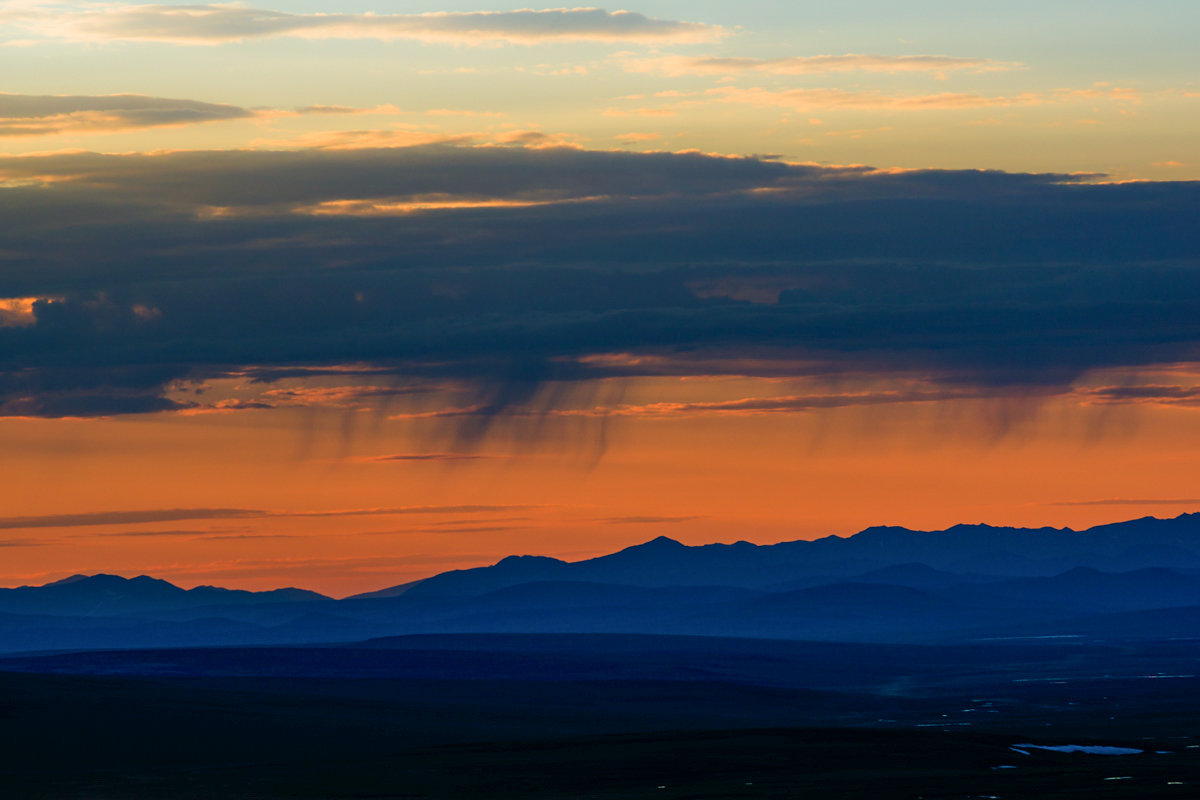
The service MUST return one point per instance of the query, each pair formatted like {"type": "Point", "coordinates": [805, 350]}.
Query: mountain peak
{"type": "Point", "coordinates": [73, 579]}
{"type": "Point", "coordinates": [512, 561]}
{"type": "Point", "coordinates": [658, 543]}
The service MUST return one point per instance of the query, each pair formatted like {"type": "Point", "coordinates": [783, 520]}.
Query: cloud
{"type": "Point", "coordinates": [123, 517]}
{"type": "Point", "coordinates": [289, 180]}
{"type": "Point", "coordinates": [742, 407]}
{"type": "Point", "coordinates": [634, 138]}
{"type": "Point", "coordinates": [44, 115]}
{"type": "Point", "coordinates": [462, 112]}
{"type": "Point", "coordinates": [238, 536]}
{"type": "Point", "coordinates": [644, 520]}
{"type": "Point", "coordinates": [679, 66]}
{"type": "Point", "coordinates": [639, 112]}
{"type": "Point", "coordinates": [406, 510]}
{"type": "Point", "coordinates": [1143, 395]}
{"type": "Point", "coordinates": [17, 312]}
{"type": "Point", "coordinates": [98, 518]}
{"type": "Point", "coordinates": [324, 110]}
{"type": "Point", "coordinates": [83, 390]}
{"type": "Point", "coordinates": [362, 139]}
{"type": "Point", "coordinates": [348, 397]}
{"type": "Point", "coordinates": [220, 24]}
{"type": "Point", "coordinates": [790, 404]}
{"type": "Point", "coordinates": [420, 457]}
{"type": "Point", "coordinates": [516, 279]}
{"type": "Point", "coordinates": [830, 99]}
{"type": "Point", "coordinates": [463, 529]}
{"type": "Point", "coordinates": [825, 99]}
{"type": "Point", "coordinates": [381, 207]}
{"type": "Point", "coordinates": [214, 533]}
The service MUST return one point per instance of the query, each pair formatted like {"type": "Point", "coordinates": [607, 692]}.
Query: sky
{"type": "Point", "coordinates": [343, 295]}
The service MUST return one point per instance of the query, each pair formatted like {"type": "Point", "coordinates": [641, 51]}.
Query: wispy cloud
{"type": "Point", "coordinates": [218, 24]}
{"type": "Point", "coordinates": [124, 517]}
{"type": "Point", "coordinates": [454, 529]}
{"type": "Point", "coordinates": [406, 510]}
{"type": "Point", "coordinates": [633, 138]}
{"type": "Point", "coordinates": [822, 99]}
{"type": "Point", "coordinates": [326, 110]}
{"type": "Point", "coordinates": [420, 457]}
{"type": "Point", "coordinates": [646, 520]}
{"type": "Point", "coordinates": [382, 207]}
{"type": "Point", "coordinates": [679, 66]}
{"type": "Point", "coordinates": [833, 99]}
{"type": "Point", "coordinates": [363, 138]}
{"type": "Point", "coordinates": [97, 518]}
{"type": "Point", "coordinates": [216, 533]}
{"type": "Point", "coordinates": [43, 115]}
{"type": "Point", "coordinates": [748, 406]}
{"type": "Point", "coordinates": [335, 396]}
{"type": "Point", "coordinates": [1157, 394]}
{"type": "Point", "coordinates": [639, 112]}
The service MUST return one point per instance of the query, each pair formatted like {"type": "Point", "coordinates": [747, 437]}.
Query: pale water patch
{"type": "Point", "coordinates": [1098, 750]}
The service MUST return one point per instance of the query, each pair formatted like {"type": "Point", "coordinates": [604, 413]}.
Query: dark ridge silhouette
{"type": "Point", "coordinates": [885, 584]}
{"type": "Point", "coordinates": [391, 591]}
{"type": "Point", "coordinates": [981, 550]}
{"type": "Point", "coordinates": [108, 595]}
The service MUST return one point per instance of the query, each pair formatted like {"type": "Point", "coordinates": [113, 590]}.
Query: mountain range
{"type": "Point", "coordinates": [964, 583]}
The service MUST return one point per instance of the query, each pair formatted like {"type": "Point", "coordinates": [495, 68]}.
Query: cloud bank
{"type": "Point", "coordinates": [41, 115]}
{"type": "Point", "coordinates": [220, 24]}
{"type": "Point", "coordinates": [133, 280]}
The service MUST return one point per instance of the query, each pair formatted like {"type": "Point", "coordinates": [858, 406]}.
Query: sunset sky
{"type": "Point", "coordinates": [343, 295]}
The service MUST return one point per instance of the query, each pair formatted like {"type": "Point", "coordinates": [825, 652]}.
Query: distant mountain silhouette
{"type": "Point", "coordinates": [886, 584]}
{"type": "Point", "coordinates": [980, 550]}
{"type": "Point", "coordinates": [391, 591]}
{"type": "Point", "coordinates": [918, 576]}
{"type": "Point", "coordinates": [112, 595]}
{"type": "Point", "coordinates": [1087, 589]}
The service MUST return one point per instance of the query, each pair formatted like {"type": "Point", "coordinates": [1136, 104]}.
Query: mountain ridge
{"type": "Point", "coordinates": [105, 594]}
{"type": "Point", "coordinates": [885, 584]}
{"type": "Point", "coordinates": [962, 548]}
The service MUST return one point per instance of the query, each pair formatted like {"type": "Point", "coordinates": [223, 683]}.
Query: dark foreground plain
{"type": "Point", "coordinates": [603, 717]}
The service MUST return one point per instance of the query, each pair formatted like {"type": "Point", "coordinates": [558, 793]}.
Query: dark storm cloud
{"type": "Point", "coordinates": [512, 270]}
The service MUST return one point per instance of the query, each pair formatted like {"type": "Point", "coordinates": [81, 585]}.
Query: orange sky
{"type": "Point", "coordinates": [325, 503]}
{"type": "Point", "coordinates": [339, 296]}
